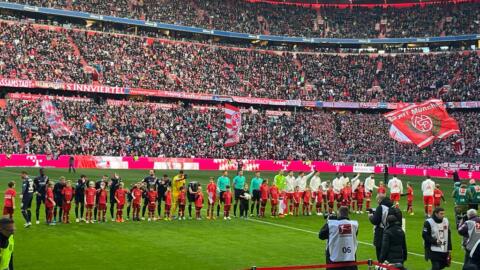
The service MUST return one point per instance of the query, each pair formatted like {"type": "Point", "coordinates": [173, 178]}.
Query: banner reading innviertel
{"type": "Point", "coordinates": [423, 123]}
{"type": "Point", "coordinates": [94, 88]}
{"type": "Point", "coordinates": [147, 163]}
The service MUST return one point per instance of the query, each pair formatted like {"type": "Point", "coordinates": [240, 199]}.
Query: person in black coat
{"type": "Point", "coordinates": [379, 218]}
{"type": "Point", "coordinates": [394, 245]}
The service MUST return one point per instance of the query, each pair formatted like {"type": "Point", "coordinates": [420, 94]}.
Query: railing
{"type": "Point", "coordinates": [235, 35]}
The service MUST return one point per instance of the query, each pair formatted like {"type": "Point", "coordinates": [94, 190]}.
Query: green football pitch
{"type": "Point", "coordinates": [192, 244]}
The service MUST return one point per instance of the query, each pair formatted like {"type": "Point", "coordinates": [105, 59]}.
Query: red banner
{"type": "Point", "coordinates": [233, 121]}
{"type": "Point", "coordinates": [423, 123]}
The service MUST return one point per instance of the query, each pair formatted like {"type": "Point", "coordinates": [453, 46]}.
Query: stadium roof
{"type": "Point", "coordinates": [395, 3]}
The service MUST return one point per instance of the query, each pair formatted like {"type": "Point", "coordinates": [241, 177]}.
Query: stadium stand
{"type": "Point", "coordinates": [263, 18]}
{"type": "Point", "coordinates": [177, 130]}
{"type": "Point", "coordinates": [56, 54]}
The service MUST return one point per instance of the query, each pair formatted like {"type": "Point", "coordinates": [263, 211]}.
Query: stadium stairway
{"type": "Point", "coordinates": [201, 13]}
{"type": "Point", "coordinates": [15, 132]}
{"type": "Point", "coordinates": [381, 28]}
{"type": "Point", "coordinates": [87, 68]}
{"type": "Point", "coordinates": [264, 25]}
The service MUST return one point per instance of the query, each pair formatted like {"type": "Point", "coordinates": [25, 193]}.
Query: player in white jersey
{"type": "Point", "coordinates": [396, 188]}
{"type": "Point", "coordinates": [337, 184]}
{"type": "Point", "coordinates": [345, 180]}
{"type": "Point", "coordinates": [315, 182]}
{"type": "Point", "coordinates": [354, 183]}
{"type": "Point", "coordinates": [369, 187]}
{"type": "Point", "coordinates": [302, 180]}
{"type": "Point", "coordinates": [291, 183]}
{"type": "Point", "coordinates": [428, 187]}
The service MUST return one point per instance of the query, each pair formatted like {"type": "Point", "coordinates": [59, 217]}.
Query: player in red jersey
{"type": "Point", "coordinates": [263, 197]}
{"type": "Point", "coordinates": [90, 197]}
{"type": "Point", "coordinates": [274, 196]}
{"type": "Point", "coordinates": [409, 199]}
{"type": "Point", "coordinates": [318, 200]}
{"type": "Point", "coordinates": [330, 198]}
{"type": "Point", "coordinates": [198, 203]}
{"type": "Point", "coordinates": [136, 201]}
{"type": "Point", "coordinates": [354, 200]}
{"type": "Point", "coordinates": [212, 197]}
{"type": "Point", "coordinates": [9, 200]}
{"type": "Point", "coordinates": [306, 198]}
{"type": "Point", "coordinates": [181, 203]}
{"type": "Point", "coordinates": [297, 196]}
{"type": "Point", "coordinates": [168, 203]}
{"type": "Point", "coordinates": [102, 202]}
{"type": "Point", "coordinates": [67, 195]}
{"type": "Point", "coordinates": [437, 196]}
{"type": "Point", "coordinates": [346, 194]}
{"type": "Point", "coordinates": [381, 188]}
{"type": "Point", "coordinates": [120, 195]}
{"type": "Point", "coordinates": [49, 203]}
{"type": "Point", "coordinates": [227, 197]}
{"type": "Point", "coordinates": [360, 195]}
{"type": "Point", "coordinates": [152, 196]}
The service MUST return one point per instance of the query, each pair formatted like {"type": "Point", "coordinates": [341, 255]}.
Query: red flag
{"type": "Point", "coordinates": [458, 146]}
{"type": "Point", "coordinates": [233, 121]}
{"type": "Point", "coordinates": [423, 123]}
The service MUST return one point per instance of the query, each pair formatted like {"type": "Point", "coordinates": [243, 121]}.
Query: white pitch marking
{"type": "Point", "coordinates": [312, 232]}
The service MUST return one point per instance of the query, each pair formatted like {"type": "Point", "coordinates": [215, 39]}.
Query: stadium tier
{"type": "Point", "coordinates": [263, 18]}
{"type": "Point", "coordinates": [54, 54]}
{"type": "Point", "coordinates": [172, 130]}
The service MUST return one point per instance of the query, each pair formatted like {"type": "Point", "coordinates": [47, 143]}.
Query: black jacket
{"type": "Point", "coordinates": [394, 245]}
{"type": "Point", "coordinates": [376, 220]}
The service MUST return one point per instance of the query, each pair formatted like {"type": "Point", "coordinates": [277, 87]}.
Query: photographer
{"type": "Point", "coordinates": [437, 239]}
{"type": "Point", "coordinates": [469, 228]}
{"type": "Point", "coordinates": [378, 218]}
{"type": "Point", "coordinates": [341, 235]}
{"type": "Point", "coordinates": [394, 245]}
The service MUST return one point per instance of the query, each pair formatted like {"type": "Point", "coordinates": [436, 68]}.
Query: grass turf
{"type": "Point", "coordinates": [192, 244]}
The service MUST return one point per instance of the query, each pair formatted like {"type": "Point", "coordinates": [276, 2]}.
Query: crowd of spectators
{"type": "Point", "coordinates": [264, 18]}
{"type": "Point", "coordinates": [56, 54]}
{"type": "Point", "coordinates": [138, 129]}
{"type": "Point", "coordinates": [37, 54]}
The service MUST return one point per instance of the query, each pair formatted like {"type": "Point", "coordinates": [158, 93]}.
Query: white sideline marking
{"type": "Point", "coordinates": [312, 232]}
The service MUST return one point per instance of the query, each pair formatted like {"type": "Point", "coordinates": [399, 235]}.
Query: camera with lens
{"type": "Point", "coordinates": [331, 217]}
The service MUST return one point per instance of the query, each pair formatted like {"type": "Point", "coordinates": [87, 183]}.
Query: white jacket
{"type": "Point", "coordinates": [337, 185]}
{"type": "Point", "coordinates": [370, 184]}
{"type": "Point", "coordinates": [395, 185]}
{"type": "Point", "coordinates": [291, 183]}
{"type": "Point", "coordinates": [302, 181]}
{"type": "Point", "coordinates": [427, 187]}
{"type": "Point", "coordinates": [315, 182]}
{"type": "Point", "coordinates": [355, 182]}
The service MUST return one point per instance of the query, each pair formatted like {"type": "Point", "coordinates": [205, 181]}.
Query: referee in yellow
{"type": "Point", "coordinates": [177, 182]}
{"type": "Point", "coordinates": [7, 229]}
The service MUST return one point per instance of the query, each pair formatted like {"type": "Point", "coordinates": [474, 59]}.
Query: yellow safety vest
{"type": "Point", "coordinates": [6, 254]}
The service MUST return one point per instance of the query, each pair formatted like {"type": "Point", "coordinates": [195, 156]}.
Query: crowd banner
{"type": "Point", "coordinates": [206, 164]}
{"type": "Point", "coordinates": [17, 83]}
{"type": "Point", "coordinates": [55, 120]}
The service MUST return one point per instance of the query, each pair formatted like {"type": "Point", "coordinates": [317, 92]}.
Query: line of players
{"type": "Point", "coordinates": [286, 194]}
